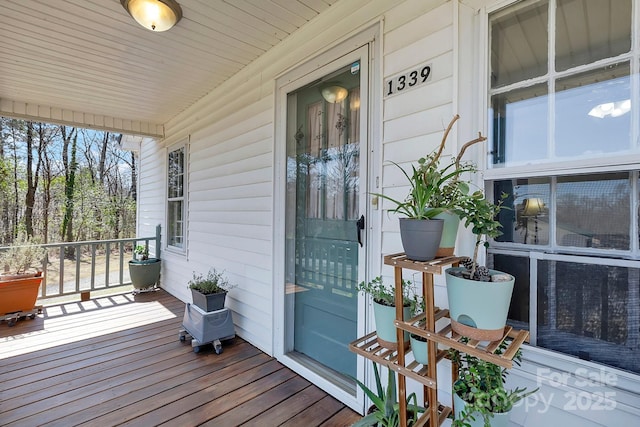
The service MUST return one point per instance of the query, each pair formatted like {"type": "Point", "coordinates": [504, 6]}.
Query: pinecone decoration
{"type": "Point", "coordinates": [467, 263]}
{"type": "Point", "coordinates": [482, 274]}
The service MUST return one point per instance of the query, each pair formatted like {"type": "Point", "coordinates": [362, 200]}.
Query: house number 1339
{"type": "Point", "coordinates": [409, 80]}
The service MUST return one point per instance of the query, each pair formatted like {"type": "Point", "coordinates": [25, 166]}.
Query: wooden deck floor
{"type": "Point", "coordinates": [118, 361]}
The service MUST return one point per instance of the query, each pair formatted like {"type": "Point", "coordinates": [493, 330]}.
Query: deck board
{"type": "Point", "coordinates": [117, 361]}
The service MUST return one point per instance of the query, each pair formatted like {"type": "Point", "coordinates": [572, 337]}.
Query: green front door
{"type": "Point", "coordinates": [323, 207]}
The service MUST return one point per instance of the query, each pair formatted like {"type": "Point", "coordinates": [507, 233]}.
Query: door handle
{"type": "Point", "coordinates": [360, 227]}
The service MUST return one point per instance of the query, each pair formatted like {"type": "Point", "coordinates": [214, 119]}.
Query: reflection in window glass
{"type": "Point", "coordinates": [176, 224]}
{"type": "Point", "coordinates": [175, 202]}
{"type": "Point", "coordinates": [590, 30]}
{"type": "Point", "coordinates": [520, 125]}
{"type": "Point", "coordinates": [526, 217]}
{"type": "Point", "coordinates": [593, 211]}
{"type": "Point", "coordinates": [519, 45]}
{"type": "Point", "coordinates": [593, 112]}
{"type": "Point", "coordinates": [590, 311]}
{"type": "Point", "coordinates": [518, 267]}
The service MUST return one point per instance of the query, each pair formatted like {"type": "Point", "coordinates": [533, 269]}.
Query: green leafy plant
{"type": "Point", "coordinates": [481, 385]}
{"type": "Point", "coordinates": [433, 188]}
{"type": "Point", "coordinates": [142, 251]}
{"type": "Point", "coordinates": [213, 282]}
{"type": "Point", "coordinates": [385, 295]}
{"type": "Point", "coordinates": [385, 411]}
{"type": "Point", "coordinates": [480, 214]}
{"type": "Point", "coordinates": [23, 254]}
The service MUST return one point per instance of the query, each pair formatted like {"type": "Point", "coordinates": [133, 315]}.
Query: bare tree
{"type": "Point", "coordinates": [33, 175]}
{"type": "Point", "coordinates": [70, 167]}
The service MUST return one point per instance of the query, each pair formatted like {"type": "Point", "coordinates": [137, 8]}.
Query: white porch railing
{"type": "Point", "coordinates": [82, 267]}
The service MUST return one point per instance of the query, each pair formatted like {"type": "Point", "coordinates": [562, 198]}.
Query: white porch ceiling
{"type": "Point", "coordinates": [87, 62]}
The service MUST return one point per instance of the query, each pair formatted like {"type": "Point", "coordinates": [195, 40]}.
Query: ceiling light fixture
{"type": "Point", "coordinates": [154, 15]}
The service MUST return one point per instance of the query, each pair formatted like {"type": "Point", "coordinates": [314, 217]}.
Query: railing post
{"type": "Point", "coordinates": [158, 241]}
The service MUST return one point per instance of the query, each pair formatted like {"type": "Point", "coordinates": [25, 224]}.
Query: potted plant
{"type": "Point", "coordinates": [384, 309]}
{"type": "Point", "coordinates": [209, 292]}
{"type": "Point", "coordinates": [479, 298]}
{"type": "Point", "coordinates": [19, 282]}
{"type": "Point", "coordinates": [141, 253]}
{"type": "Point", "coordinates": [144, 271]}
{"type": "Point", "coordinates": [385, 409]}
{"type": "Point", "coordinates": [435, 194]}
{"type": "Point", "coordinates": [479, 394]}
{"type": "Point", "coordinates": [419, 346]}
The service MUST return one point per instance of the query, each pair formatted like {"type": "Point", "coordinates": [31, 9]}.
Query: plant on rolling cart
{"type": "Point", "coordinates": [479, 392]}
{"type": "Point", "coordinates": [385, 411]}
{"type": "Point", "coordinates": [209, 292]}
{"type": "Point", "coordinates": [19, 284]}
{"type": "Point", "coordinates": [384, 310]}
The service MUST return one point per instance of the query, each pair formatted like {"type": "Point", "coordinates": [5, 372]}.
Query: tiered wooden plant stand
{"type": "Point", "coordinates": [424, 325]}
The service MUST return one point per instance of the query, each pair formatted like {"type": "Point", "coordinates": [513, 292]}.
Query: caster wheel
{"type": "Point", "coordinates": [218, 349]}
{"type": "Point", "coordinates": [196, 349]}
{"type": "Point", "coordinates": [32, 316]}
{"type": "Point", "coordinates": [183, 338]}
{"type": "Point", "coordinates": [12, 322]}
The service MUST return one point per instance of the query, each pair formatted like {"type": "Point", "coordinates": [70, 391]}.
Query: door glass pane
{"type": "Point", "coordinates": [593, 211]}
{"type": "Point", "coordinates": [323, 157]}
{"type": "Point", "coordinates": [593, 112]}
{"type": "Point", "coordinates": [526, 217]}
{"type": "Point", "coordinates": [589, 30]}
{"type": "Point", "coordinates": [519, 125]}
{"type": "Point", "coordinates": [519, 45]}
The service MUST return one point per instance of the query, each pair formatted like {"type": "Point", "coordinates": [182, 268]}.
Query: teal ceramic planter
{"type": "Point", "coordinates": [145, 273]}
{"type": "Point", "coordinates": [385, 329]}
{"type": "Point", "coordinates": [449, 233]}
{"type": "Point", "coordinates": [420, 350]}
{"type": "Point", "coordinates": [478, 310]}
{"type": "Point", "coordinates": [497, 420]}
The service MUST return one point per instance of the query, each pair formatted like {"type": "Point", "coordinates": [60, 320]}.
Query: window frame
{"type": "Point", "coordinates": [182, 145]}
{"type": "Point", "coordinates": [628, 161]}
{"type": "Point", "coordinates": [548, 166]}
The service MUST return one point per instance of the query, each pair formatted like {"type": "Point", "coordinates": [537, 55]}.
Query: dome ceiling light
{"type": "Point", "coordinates": [154, 15]}
{"type": "Point", "coordinates": [334, 94]}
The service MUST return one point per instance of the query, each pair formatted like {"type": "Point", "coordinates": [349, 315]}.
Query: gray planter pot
{"type": "Point", "coordinates": [208, 302]}
{"type": "Point", "coordinates": [144, 274]}
{"type": "Point", "coordinates": [421, 237]}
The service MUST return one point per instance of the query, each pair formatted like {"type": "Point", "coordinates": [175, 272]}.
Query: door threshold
{"type": "Point", "coordinates": [341, 381]}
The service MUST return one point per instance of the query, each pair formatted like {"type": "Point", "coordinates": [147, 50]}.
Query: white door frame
{"type": "Point", "coordinates": [365, 44]}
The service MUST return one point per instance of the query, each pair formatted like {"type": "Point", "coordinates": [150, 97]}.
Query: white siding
{"type": "Point", "coordinates": [151, 190]}
{"type": "Point", "coordinates": [413, 121]}
{"type": "Point", "coordinates": [231, 176]}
